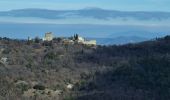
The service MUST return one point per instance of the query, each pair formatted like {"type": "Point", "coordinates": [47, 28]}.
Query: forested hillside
{"type": "Point", "coordinates": [37, 70]}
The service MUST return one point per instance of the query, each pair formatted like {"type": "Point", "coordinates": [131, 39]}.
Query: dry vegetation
{"type": "Point", "coordinates": [37, 70]}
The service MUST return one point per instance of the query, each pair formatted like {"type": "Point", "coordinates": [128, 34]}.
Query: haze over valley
{"type": "Point", "coordinates": [88, 22]}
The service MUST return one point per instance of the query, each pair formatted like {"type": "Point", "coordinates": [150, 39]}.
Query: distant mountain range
{"type": "Point", "coordinates": [120, 40]}
{"type": "Point", "coordinates": [96, 13]}
{"type": "Point", "coordinates": [106, 26]}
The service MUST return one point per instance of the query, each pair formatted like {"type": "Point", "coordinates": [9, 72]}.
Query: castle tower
{"type": "Point", "coordinates": [48, 36]}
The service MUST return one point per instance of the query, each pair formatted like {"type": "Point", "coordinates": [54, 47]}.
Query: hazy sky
{"type": "Point", "coordinates": [128, 5]}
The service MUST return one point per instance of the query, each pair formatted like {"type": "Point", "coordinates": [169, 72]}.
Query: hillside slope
{"type": "Point", "coordinates": [139, 72]}
{"type": "Point", "coordinates": [37, 70]}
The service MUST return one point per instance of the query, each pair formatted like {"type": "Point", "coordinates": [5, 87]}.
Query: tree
{"type": "Point", "coordinates": [76, 36]}
{"type": "Point", "coordinates": [37, 40]}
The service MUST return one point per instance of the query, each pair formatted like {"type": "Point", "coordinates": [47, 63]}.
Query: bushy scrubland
{"type": "Point", "coordinates": [38, 70]}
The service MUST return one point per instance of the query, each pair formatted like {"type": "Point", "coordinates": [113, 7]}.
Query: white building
{"type": "Point", "coordinates": [90, 42]}
{"type": "Point", "coordinates": [81, 39]}
{"type": "Point", "coordinates": [48, 36]}
{"type": "Point", "coordinates": [86, 42]}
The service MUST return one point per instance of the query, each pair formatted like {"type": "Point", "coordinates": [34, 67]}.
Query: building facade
{"type": "Point", "coordinates": [86, 42]}
{"type": "Point", "coordinates": [48, 36]}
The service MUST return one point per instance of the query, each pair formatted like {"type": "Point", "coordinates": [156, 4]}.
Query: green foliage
{"type": "Point", "coordinates": [69, 98]}
{"type": "Point", "coordinates": [37, 40]}
{"type": "Point", "coordinates": [50, 55]}
{"type": "Point", "coordinates": [23, 87]}
{"type": "Point", "coordinates": [29, 65]}
{"type": "Point", "coordinates": [39, 87]}
{"type": "Point", "coordinates": [6, 51]}
{"type": "Point", "coordinates": [76, 37]}
{"type": "Point", "coordinates": [59, 40]}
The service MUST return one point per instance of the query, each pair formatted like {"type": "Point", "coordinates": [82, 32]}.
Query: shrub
{"type": "Point", "coordinates": [22, 85]}
{"type": "Point", "coordinates": [39, 87]}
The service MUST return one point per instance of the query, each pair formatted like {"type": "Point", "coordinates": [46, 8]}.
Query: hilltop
{"type": "Point", "coordinates": [37, 70]}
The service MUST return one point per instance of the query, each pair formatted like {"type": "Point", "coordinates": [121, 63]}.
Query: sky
{"type": "Point", "coordinates": [123, 5]}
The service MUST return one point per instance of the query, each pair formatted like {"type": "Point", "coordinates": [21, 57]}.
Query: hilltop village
{"type": "Point", "coordinates": [48, 40]}
{"type": "Point", "coordinates": [76, 39]}
{"type": "Point", "coordinates": [37, 57]}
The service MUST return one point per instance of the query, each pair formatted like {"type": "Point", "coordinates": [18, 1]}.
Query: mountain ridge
{"type": "Point", "coordinates": [97, 13]}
